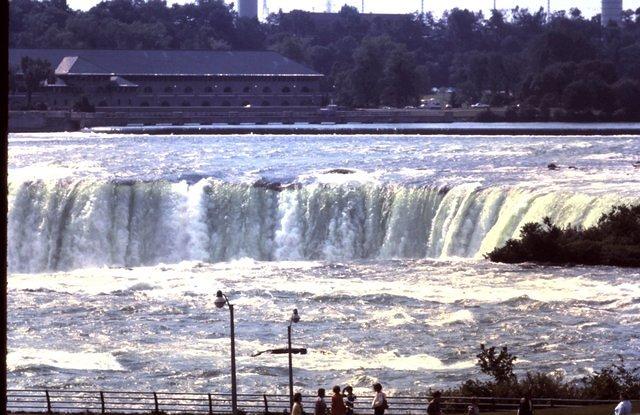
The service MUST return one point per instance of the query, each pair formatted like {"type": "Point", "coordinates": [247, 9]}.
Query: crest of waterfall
{"type": "Point", "coordinates": [67, 224]}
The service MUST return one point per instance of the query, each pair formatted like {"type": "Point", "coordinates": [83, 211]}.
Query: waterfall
{"type": "Point", "coordinates": [67, 224]}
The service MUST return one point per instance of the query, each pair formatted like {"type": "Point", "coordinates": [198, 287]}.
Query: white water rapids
{"type": "Point", "coordinates": [117, 245]}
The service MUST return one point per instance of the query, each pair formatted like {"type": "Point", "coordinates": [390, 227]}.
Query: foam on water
{"type": "Point", "coordinates": [25, 358]}
{"type": "Point", "coordinates": [118, 244]}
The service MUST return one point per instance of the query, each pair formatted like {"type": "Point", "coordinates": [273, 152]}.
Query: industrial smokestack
{"type": "Point", "coordinates": [248, 8]}
{"type": "Point", "coordinates": [611, 11]}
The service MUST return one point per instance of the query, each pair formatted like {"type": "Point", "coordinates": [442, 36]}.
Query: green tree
{"type": "Point", "coordinates": [497, 364]}
{"type": "Point", "coordinates": [401, 80]}
{"type": "Point", "coordinates": [34, 73]}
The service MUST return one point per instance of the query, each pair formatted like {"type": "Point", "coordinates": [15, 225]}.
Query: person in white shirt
{"type": "Point", "coordinates": [297, 404]}
{"type": "Point", "coordinates": [379, 403]}
{"type": "Point", "coordinates": [624, 407]}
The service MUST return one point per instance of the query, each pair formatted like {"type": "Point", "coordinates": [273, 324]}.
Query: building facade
{"type": "Point", "coordinates": [611, 12]}
{"type": "Point", "coordinates": [116, 80]}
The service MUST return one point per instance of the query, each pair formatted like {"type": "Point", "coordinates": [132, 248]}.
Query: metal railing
{"type": "Point", "coordinates": [128, 402]}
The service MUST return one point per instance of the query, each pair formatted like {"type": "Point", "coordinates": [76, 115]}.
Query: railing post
{"type": "Point", "coordinates": [155, 401]}
{"type": "Point", "coordinates": [266, 404]}
{"type": "Point", "coordinates": [46, 392]}
{"type": "Point", "coordinates": [102, 402]}
{"type": "Point", "coordinates": [210, 405]}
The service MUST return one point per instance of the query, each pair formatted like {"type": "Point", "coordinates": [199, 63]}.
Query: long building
{"type": "Point", "coordinates": [148, 79]}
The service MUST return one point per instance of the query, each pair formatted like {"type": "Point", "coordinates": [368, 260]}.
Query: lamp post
{"type": "Point", "coordinates": [295, 317]}
{"type": "Point", "coordinates": [220, 301]}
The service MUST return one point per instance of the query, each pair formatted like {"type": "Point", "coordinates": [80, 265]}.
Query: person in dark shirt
{"type": "Point", "coordinates": [434, 406]}
{"type": "Point", "coordinates": [337, 403]}
{"type": "Point", "coordinates": [349, 399]}
{"type": "Point", "coordinates": [321, 405]}
{"type": "Point", "coordinates": [526, 406]}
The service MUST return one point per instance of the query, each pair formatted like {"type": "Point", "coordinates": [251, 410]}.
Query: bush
{"type": "Point", "coordinates": [84, 105]}
{"type": "Point", "coordinates": [608, 383]}
{"type": "Point", "coordinates": [615, 240]}
{"type": "Point", "coordinates": [487, 116]}
{"type": "Point", "coordinates": [612, 381]}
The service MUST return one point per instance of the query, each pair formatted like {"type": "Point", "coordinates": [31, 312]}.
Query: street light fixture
{"type": "Point", "coordinates": [220, 302]}
{"type": "Point", "coordinates": [295, 317]}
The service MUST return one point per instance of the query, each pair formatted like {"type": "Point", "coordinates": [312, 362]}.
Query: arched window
{"type": "Point", "coordinates": [246, 89]}
{"type": "Point", "coordinates": [188, 90]}
{"type": "Point", "coordinates": [144, 104]}
{"type": "Point", "coordinates": [305, 89]}
{"type": "Point", "coordinates": [102, 103]}
{"type": "Point", "coordinates": [168, 88]}
{"type": "Point", "coordinates": [246, 104]}
{"type": "Point", "coordinates": [208, 90]}
{"type": "Point", "coordinates": [165, 104]}
{"type": "Point", "coordinates": [266, 103]}
{"type": "Point", "coordinates": [266, 90]}
{"type": "Point", "coordinates": [186, 104]}
{"type": "Point", "coordinates": [119, 103]}
{"type": "Point", "coordinates": [148, 90]}
{"type": "Point", "coordinates": [226, 104]}
{"type": "Point", "coordinates": [205, 104]}
{"type": "Point", "coordinates": [228, 90]}
{"type": "Point", "coordinates": [286, 90]}
{"type": "Point", "coordinates": [285, 103]}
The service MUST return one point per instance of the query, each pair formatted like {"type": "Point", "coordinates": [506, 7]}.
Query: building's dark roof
{"type": "Point", "coordinates": [163, 62]}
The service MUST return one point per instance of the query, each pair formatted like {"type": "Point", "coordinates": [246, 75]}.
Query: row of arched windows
{"type": "Point", "coordinates": [206, 103]}
{"type": "Point", "coordinates": [227, 90]}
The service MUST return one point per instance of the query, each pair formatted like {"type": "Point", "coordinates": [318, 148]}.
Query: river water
{"type": "Point", "coordinates": [118, 243]}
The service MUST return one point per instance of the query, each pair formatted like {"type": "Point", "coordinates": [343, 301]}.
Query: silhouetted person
{"type": "Point", "coordinates": [337, 404]}
{"type": "Point", "coordinates": [349, 399]}
{"type": "Point", "coordinates": [296, 409]}
{"type": "Point", "coordinates": [379, 403]}
{"type": "Point", "coordinates": [473, 409]}
{"type": "Point", "coordinates": [434, 406]}
{"type": "Point", "coordinates": [526, 406]}
{"type": "Point", "coordinates": [321, 405]}
{"type": "Point", "coordinates": [624, 407]}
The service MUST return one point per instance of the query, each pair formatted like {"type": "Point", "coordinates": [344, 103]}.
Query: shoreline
{"type": "Point", "coordinates": [464, 129]}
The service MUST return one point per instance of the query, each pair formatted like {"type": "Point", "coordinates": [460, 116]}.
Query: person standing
{"type": "Point", "coordinates": [434, 406]}
{"type": "Point", "coordinates": [296, 409]}
{"type": "Point", "coordinates": [321, 405]}
{"type": "Point", "coordinates": [350, 399]}
{"type": "Point", "coordinates": [337, 403]}
{"type": "Point", "coordinates": [473, 409]}
{"type": "Point", "coordinates": [379, 403]}
{"type": "Point", "coordinates": [526, 406]}
{"type": "Point", "coordinates": [624, 407]}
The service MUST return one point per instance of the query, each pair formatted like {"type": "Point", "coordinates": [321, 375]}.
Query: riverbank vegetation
{"type": "Point", "coordinates": [614, 240]}
{"type": "Point", "coordinates": [561, 66]}
{"type": "Point", "coordinates": [497, 366]}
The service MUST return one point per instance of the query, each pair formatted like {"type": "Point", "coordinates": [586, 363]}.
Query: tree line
{"type": "Point", "coordinates": [542, 66]}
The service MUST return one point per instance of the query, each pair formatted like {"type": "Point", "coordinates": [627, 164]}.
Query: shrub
{"type": "Point", "coordinates": [615, 240]}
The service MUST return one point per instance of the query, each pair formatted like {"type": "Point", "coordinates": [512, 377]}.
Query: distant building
{"type": "Point", "coordinates": [611, 12]}
{"type": "Point", "coordinates": [326, 20]}
{"type": "Point", "coordinates": [121, 79]}
{"type": "Point", "coordinates": [248, 8]}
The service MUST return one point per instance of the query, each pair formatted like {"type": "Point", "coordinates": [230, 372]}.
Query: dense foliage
{"type": "Point", "coordinates": [606, 383]}
{"type": "Point", "coordinates": [615, 240]}
{"type": "Point", "coordinates": [561, 66]}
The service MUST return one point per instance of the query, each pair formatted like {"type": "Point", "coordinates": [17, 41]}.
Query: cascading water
{"type": "Point", "coordinates": [69, 224]}
{"type": "Point", "coordinates": [119, 243]}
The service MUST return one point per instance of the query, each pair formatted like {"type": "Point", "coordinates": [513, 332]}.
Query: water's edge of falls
{"type": "Point", "coordinates": [69, 224]}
